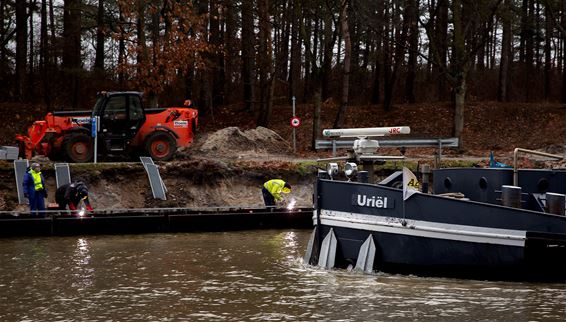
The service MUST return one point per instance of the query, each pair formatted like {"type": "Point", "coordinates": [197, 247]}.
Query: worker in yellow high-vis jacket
{"type": "Point", "coordinates": [34, 189]}
{"type": "Point", "coordinates": [272, 190]}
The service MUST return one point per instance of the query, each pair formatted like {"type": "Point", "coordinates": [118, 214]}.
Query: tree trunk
{"type": "Point", "coordinates": [316, 117]}
{"type": "Point", "coordinates": [524, 30]}
{"type": "Point", "coordinates": [51, 20]}
{"type": "Point", "coordinates": [52, 54]}
{"type": "Point", "coordinates": [99, 58]}
{"type": "Point", "coordinates": [398, 58]}
{"type": "Point", "coordinates": [21, 49]}
{"type": "Point", "coordinates": [283, 31]}
{"type": "Point", "coordinates": [155, 37]}
{"type": "Point", "coordinates": [459, 104]}
{"type": "Point", "coordinates": [295, 68]}
{"type": "Point", "coordinates": [72, 48]}
{"type": "Point", "coordinates": [413, 16]}
{"type": "Point", "coordinates": [31, 56]}
{"type": "Point", "coordinates": [306, 35]}
{"type": "Point", "coordinates": [248, 54]}
{"type": "Point", "coordinates": [217, 70]}
{"type": "Point", "coordinates": [529, 50]}
{"type": "Point", "coordinates": [459, 70]}
{"type": "Point", "coordinates": [44, 60]}
{"type": "Point", "coordinates": [378, 53]}
{"type": "Point", "coordinates": [142, 54]}
{"type": "Point", "coordinates": [327, 55]}
{"type": "Point", "coordinates": [230, 57]}
{"type": "Point", "coordinates": [3, 49]}
{"type": "Point", "coordinates": [505, 53]}
{"type": "Point", "coordinates": [563, 23]}
{"type": "Point", "coordinates": [121, 47]}
{"type": "Point", "coordinates": [547, 51]}
{"type": "Point", "coordinates": [266, 64]}
{"type": "Point", "coordinates": [339, 122]}
{"type": "Point", "coordinates": [442, 34]}
{"type": "Point", "coordinates": [387, 57]}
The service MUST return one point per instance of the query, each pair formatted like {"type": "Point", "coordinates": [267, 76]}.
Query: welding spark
{"type": "Point", "coordinates": [291, 204]}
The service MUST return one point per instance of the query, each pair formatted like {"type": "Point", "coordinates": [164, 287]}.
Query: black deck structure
{"type": "Point", "coordinates": [154, 220]}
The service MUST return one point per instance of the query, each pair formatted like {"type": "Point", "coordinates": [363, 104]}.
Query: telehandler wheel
{"type": "Point", "coordinates": [160, 146]}
{"type": "Point", "coordinates": [78, 147]}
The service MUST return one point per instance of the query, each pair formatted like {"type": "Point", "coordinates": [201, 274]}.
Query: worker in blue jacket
{"type": "Point", "coordinates": [35, 189]}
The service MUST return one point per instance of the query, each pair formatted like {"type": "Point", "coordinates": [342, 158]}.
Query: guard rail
{"type": "Point", "coordinates": [391, 143]}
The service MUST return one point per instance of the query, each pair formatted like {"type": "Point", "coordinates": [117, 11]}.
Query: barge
{"type": "Point", "coordinates": [153, 220]}
{"type": "Point", "coordinates": [479, 223]}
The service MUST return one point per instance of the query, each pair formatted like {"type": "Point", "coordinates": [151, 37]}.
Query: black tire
{"type": "Point", "coordinates": [160, 145]}
{"type": "Point", "coordinates": [78, 147]}
{"type": "Point", "coordinates": [55, 154]}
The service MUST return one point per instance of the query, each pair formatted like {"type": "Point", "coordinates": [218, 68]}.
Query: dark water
{"type": "Point", "coordinates": [241, 276]}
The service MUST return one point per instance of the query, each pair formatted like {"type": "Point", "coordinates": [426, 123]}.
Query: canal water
{"type": "Point", "coordinates": [236, 276]}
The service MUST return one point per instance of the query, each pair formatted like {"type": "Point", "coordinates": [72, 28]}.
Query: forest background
{"type": "Point", "coordinates": [490, 72]}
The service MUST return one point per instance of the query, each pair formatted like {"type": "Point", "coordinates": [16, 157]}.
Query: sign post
{"type": "Point", "coordinates": [294, 128]}
{"type": "Point", "coordinates": [94, 131]}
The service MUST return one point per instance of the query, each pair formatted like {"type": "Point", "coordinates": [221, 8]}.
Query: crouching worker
{"type": "Point", "coordinates": [34, 189]}
{"type": "Point", "coordinates": [72, 194]}
{"type": "Point", "coordinates": [272, 190]}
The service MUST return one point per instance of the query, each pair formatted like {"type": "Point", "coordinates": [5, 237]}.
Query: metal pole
{"type": "Point", "coordinates": [294, 129]}
{"type": "Point", "coordinates": [96, 137]}
{"type": "Point", "coordinates": [516, 152]}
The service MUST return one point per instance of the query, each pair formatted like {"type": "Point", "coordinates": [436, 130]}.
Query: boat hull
{"type": "Point", "coordinates": [438, 236]}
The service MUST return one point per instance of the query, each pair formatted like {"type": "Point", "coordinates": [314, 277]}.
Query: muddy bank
{"type": "Point", "coordinates": [190, 183]}
{"type": "Point", "coordinates": [225, 168]}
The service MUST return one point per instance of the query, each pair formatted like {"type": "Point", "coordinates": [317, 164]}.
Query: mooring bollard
{"type": "Point", "coordinates": [555, 203]}
{"type": "Point", "coordinates": [511, 196]}
{"type": "Point", "coordinates": [425, 169]}
{"type": "Point", "coordinates": [363, 176]}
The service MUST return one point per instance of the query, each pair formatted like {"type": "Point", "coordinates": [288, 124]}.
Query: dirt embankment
{"type": "Point", "coordinates": [226, 165]}
{"type": "Point", "coordinates": [225, 169]}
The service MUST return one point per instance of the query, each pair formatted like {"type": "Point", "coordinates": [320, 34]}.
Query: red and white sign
{"type": "Point", "coordinates": [295, 122]}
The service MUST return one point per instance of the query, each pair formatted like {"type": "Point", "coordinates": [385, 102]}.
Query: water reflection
{"type": "Point", "coordinates": [240, 276]}
{"type": "Point", "coordinates": [82, 273]}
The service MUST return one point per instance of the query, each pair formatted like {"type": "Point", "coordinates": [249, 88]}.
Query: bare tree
{"type": "Point", "coordinates": [346, 75]}
{"type": "Point", "coordinates": [99, 58]}
{"type": "Point", "coordinates": [563, 29]}
{"type": "Point", "coordinates": [266, 72]}
{"type": "Point", "coordinates": [506, 16]}
{"type": "Point", "coordinates": [413, 18]}
{"type": "Point", "coordinates": [295, 67]}
{"type": "Point", "coordinates": [248, 56]}
{"type": "Point", "coordinates": [21, 48]}
{"type": "Point", "coordinates": [31, 55]}
{"type": "Point", "coordinates": [44, 55]}
{"type": "Point", "coordinates": [547, 51]}
{"type": "Point", "coordinates": [72, 47]}
{"type": "Point", "coordinates": [469, 34]}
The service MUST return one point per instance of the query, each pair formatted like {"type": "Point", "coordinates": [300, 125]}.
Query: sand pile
{"type": "Point", "coordinates": [231, 142]}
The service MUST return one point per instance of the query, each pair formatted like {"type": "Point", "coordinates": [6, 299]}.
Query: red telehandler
{"type": "Point", "coordinates": [125, 128]}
